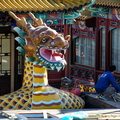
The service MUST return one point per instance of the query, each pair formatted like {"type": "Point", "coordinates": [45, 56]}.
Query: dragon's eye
{"type": "Point", "coordinates": [44, 40]}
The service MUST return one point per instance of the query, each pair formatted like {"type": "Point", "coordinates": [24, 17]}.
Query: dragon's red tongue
{"type": "Point", "coordinates": [49, 52]}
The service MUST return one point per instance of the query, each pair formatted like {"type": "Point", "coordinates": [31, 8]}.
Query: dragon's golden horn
{"type": "Point", "coordinates": [40, 21]}
{"type": "Point", "coordinates": [22, 22]}
{"type": "Point", "coordinates": [36, 21]}
{"type": "Point", "coordinates": [14, 16]}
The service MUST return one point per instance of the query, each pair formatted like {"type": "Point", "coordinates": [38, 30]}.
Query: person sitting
{"type": "Point", "coordinates": [107, 85]}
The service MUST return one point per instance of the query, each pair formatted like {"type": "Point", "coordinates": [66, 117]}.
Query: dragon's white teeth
{"type": "Point", "coordinates": [52, 51]}
{"type": "Point", "coordinates": [64, 51]}
{"type": "Point", "coordinates": [63, 67]}
{"type": "Point", "coordinates": [58, 68]}
{"type": "Point", "coordinates": [51, 57]}
{"type": "Point", "coordinates": [52, 67]}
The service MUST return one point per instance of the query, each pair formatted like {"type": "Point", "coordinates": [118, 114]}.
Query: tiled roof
{"type": "Point", "coordinates": [40, 5]}
{"type": "Point", "coordinates": [111, 3]}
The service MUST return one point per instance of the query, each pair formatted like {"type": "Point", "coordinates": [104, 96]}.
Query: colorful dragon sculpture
{"type": "Point", "coordinates": [41, 46]}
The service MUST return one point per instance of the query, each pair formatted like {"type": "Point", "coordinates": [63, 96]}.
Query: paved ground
{"type": "Point", "coordinates": [93, 114]}
{"type": "Point", "coordinates": [3, 118]}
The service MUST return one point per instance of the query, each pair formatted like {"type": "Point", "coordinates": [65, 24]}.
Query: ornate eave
{"type": "Point", "coordinates": [94, 10]}
{"type": "Point", "coordinates": [41, 5]}
{"type": "Point", "coordinates": [85, 14]}
{"type": "Point", "coordinates": [109, 3]}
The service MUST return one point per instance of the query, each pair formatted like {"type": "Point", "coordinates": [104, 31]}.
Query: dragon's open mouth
{"type": "Point", "coordinates": [52, 55]}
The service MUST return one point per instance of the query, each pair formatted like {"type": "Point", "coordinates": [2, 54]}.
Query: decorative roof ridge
{"type": "Point", "coordinates": [42, 5]}
{"type": "Point", "coordinates": [107, 3]}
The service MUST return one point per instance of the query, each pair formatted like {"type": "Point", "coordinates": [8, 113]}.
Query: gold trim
{"type": "Point", "coordinates": [16, 4]}
{"type": "Point", "coordinates": [5, 4]}
{"type": "Point", "coordinates": [3, 8]}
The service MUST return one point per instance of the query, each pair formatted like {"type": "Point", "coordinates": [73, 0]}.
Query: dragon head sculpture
{"type": "Point", "coordinates": [41, 44]}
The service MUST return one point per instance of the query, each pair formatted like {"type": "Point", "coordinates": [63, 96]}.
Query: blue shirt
{"type": "Point", "coordinates": [104, 82]}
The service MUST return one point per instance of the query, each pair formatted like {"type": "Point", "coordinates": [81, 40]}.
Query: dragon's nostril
{"type": "Point", "coordinates": [52, 43]}
{"type": "Point", "coordinates": [66, 42]}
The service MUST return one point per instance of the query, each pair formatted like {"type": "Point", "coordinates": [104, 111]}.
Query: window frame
{"type": "Point", "coordinates": [83, 34]}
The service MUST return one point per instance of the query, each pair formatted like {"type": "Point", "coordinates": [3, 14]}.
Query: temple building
{"type": "Point", "coordinates": [94, 28]}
